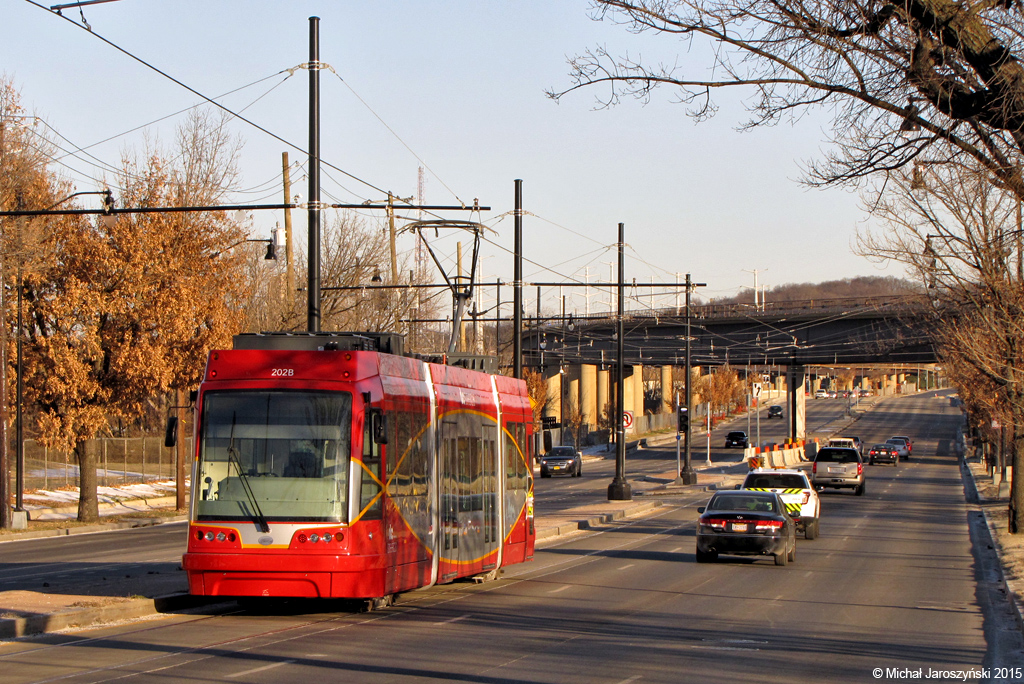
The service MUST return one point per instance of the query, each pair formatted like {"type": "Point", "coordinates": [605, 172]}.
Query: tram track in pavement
{"type": "Point", "coordinates": [239, 646]}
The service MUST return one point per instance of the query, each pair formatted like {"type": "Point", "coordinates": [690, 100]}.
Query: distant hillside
{"type": "Point", "coordinates": [864, 286]}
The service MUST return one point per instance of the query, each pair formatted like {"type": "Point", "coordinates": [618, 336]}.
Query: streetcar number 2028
{"type": "Point", "coordinates": [282, 372]}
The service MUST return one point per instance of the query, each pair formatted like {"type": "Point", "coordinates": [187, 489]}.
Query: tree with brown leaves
{"type": "Point", "coordinates": [128, 309]}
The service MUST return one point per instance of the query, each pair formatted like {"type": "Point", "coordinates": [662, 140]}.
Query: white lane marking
{"type": "Point", "coordinates": [631, 679]}
{"type": "Point", "coordinates": [627, 567]}
{"type": "Point", "coordinates": [677, 549]}
{"type": "Point", "coordinates": [454, 619]}
{"type": "Point", "coordinates": [561, 588]}
{"type": "Point", "coordinates": [260, 669]}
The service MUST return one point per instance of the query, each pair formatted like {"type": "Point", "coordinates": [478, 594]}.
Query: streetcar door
{"type": "Point", "coordinates": [490, 495]}
{"type": "Point", "coordinates": [448, 487]}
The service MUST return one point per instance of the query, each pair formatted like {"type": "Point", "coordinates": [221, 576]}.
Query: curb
{"type": "Point", "coordinates": [90, 529]}
{"type": "Point", "coordinates": [974, 496]}
{"type": "Point", "coordinates": [12, 628]}
{"type": "Point", "coordinates": [595, 521]}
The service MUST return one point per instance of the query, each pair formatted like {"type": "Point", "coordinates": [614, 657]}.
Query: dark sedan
{"type": "Point", "coordinates": [775, 411]}
{"type": "Point", "coordinates": [736, 438]}
{"type": "Point", "coordinates": [884, 452]}
{"type": "Point", "coordinates": [745, 523]}
{"type": "Point", "coordinates": [562, 460]}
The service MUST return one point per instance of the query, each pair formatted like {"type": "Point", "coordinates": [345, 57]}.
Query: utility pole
{"type": "Point", "coordinates": [688, 475]}
{"type": "Point", "coordinates": [619, 489]}
{"type": "Point", "coordinates": [458, 286]}
{"type": "Point", "coordinates": [517, 286]}
{"type": "Point", "coordinates": [313, 201]}
{"type": "Point", "coordinates": [391, 236]}
{"type": "Point", "coordinates": [288, 253]}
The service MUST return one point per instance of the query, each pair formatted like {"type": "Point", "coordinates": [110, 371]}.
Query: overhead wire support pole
{"type": "Point", "coordinates": [313, 169]}
{"type": "Point", "coordinates": [688, 475]}
{"type": "Point", "coordinates": [619, 489]}
{"type": "Point", "coordinates": [517, 286]}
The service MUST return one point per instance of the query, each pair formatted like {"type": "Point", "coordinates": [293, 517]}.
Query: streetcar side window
{"type": "Point", "coordinates": [369, 498]}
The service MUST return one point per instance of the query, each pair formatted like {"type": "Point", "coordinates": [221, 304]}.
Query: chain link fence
{"type": "Point", "coordinates": [119, 461]}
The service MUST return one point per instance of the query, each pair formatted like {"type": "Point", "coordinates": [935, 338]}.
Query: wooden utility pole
{"type": "Point", "coordinates": [458, 280]}
{"type": "Point", "coordinates": [391, 235]}
{"type": "Point", "coordinates": [290, 272]}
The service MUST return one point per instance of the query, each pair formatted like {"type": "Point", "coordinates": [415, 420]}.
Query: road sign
{"type": "Point", "coordinates": [627, 419]}
{"type": "Point", "coordinates": [756, 389]}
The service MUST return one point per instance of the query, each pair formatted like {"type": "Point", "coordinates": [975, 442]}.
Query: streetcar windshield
{"type": "Point", "coordinates": [274, 455]}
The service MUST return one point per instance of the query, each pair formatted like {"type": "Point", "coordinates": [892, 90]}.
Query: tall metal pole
{"type": "Point", "coordinates": [19, 430]}
{"type": "Point", "coordinates": [313, 203]}
{"type": "Point", "coordinates": [619, 489]}
{"type": "Point", "coordinates": [289, 246]}
{"type": "Point", "coordinates": [517, 287]}
{"type": "Point", "coordinates": [688, 475]}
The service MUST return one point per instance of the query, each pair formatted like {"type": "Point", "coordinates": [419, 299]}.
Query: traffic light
{"type": "Point", "coordinates": [684, 420]}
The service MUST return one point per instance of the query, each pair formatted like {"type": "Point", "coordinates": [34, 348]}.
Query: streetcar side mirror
{"type": "Point", "coordinates": [171, 434]}
{"type": "Point", "coordinates": [380, 427]}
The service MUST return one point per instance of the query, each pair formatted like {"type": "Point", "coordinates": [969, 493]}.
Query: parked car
{"type": "Point", "coordinates": [901, 446]}
{"type": "Point", "coordinates": [561, 460]}
{"type": "Point", "coordinates": [838, 467]}
{"type": "Point", "coordinates": [775, 411]}
{"type": "Point", "coordinates": [737, 438]}
{"type": "Point", "coordinates": [910, 443]}
{"type": "Point", "coordinates": [745, 523]}
{"type": "Point", "coordinates": [799, 496]}
{"type": "Point", "coordinates": [884, 452]}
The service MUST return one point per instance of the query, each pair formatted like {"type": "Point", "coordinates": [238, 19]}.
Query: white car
{"type": "Point", "coordinates": [795, 490]}
{"type": "Point", "coordinates": [821, 394]}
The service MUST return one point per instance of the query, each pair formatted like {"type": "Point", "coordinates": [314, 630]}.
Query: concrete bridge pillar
{"type": "Point", "coordinates": [667, 400]}
{"type": "Point", "coordinates": [604, 391]}
{"type": "Point", "coordinates": [628, 394]}
{"type": "Point", "coordinates": [638, 391]}
{"type": "Point", "coordinates": [588, 395]}
{"type": "Point", "coordinates": [553, 379]}
{"type": "Point", "coordinates": [571, 390]}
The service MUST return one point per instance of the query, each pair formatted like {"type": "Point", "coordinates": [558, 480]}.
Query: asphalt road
{"type": "Point", "coordinates": [891, 584]}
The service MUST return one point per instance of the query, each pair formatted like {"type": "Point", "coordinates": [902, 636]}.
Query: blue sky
{"type": "Point", "coordinates": [462, 84]}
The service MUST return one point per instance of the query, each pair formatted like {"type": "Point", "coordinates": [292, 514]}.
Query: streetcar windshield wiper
{"type": "Point", "coordinates": [257, 516]}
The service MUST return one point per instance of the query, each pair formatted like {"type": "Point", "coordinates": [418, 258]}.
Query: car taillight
{"type": "Point", "coordinates": [712, 522]}
{"type": "Point", "coordinates": [814, 467]}
{"type": "Point", "coordinates": [807, 497]}
{"type": "Point", "coordinates": [768, 525]}
{"type": "Point", "coordinates": [860, 468]}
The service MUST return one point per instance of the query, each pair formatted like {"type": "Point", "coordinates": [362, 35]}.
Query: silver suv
{"type": "Point", "coordinates": [838, 467]}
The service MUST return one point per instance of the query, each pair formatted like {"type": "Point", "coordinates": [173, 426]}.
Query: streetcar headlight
{"type": "Point", "coordinates": [327, 536]}
{"type": "Point", "coordinates": [209, 536]}
{"type": "Point", "coordinates": [221, 536]}
{"type": "Point", "coordinates": [314, 537]}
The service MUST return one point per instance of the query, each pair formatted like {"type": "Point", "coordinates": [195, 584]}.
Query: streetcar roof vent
{"type": "Point", "coordinates": [388, 343]}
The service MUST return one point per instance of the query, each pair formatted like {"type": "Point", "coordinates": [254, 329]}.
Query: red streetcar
{"type": "Point", "coordinates": [327, 466]}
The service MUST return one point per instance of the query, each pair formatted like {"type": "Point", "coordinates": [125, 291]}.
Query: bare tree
{"type": "Point", "coordinates": [901, 80]}
{"type": "Point", "coordinates": [960, 229]}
